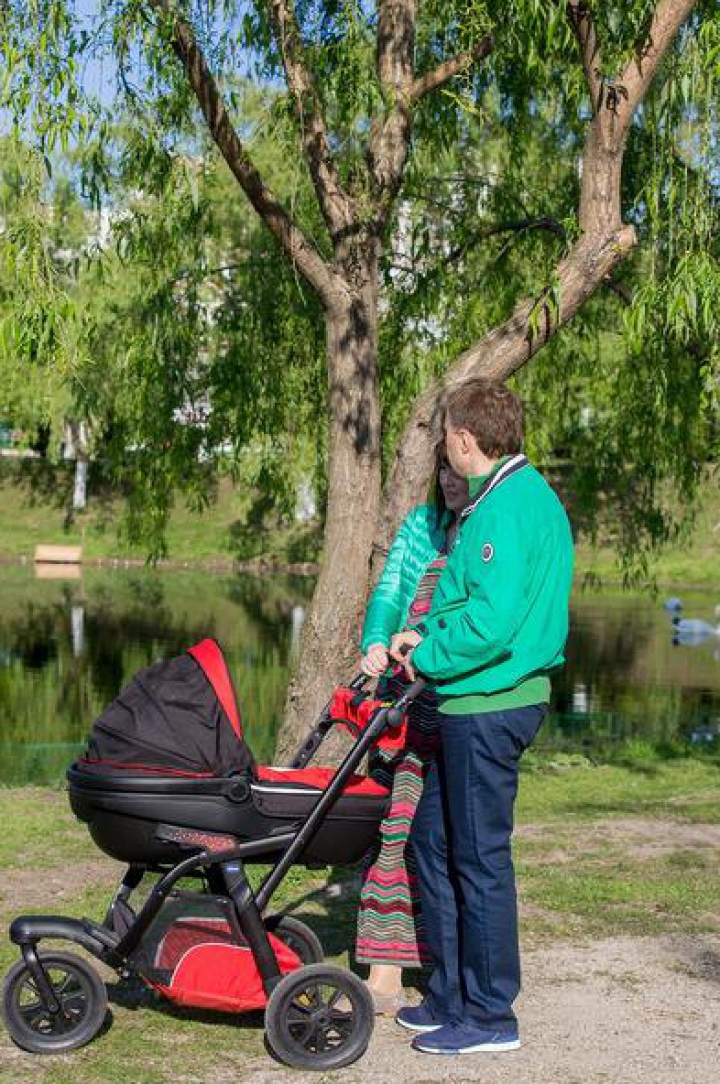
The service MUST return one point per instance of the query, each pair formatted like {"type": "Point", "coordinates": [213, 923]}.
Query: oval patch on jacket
{"type": "Point", "coordinates": [488, 552]}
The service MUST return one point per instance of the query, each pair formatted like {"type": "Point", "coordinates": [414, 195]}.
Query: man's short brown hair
{"type": "Point", "coordinates": [491, 412]}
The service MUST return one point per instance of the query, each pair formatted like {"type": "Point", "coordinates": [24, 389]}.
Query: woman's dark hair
{"type": "Point", "coordinates": [438, 497]}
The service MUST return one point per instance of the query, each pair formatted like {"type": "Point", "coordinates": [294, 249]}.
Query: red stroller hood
{"type": "Point", "coordinates": [210, 657]}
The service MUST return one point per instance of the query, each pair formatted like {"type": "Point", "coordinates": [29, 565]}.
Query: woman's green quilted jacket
{"type": "Point", "coordinates": [416, 544]}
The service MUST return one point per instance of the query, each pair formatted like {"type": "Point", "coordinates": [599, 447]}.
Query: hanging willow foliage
{"type": "Point", "coordinates": [198, 314]}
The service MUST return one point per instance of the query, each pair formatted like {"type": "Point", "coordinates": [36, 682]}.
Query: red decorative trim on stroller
{"type": "Point", "coordinates": [121, 766]}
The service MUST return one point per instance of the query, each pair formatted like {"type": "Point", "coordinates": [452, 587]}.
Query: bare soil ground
{"type": "Point", "coordinates": [626, 1011]}
{"type": "Point", "coordinates": [31, 890]}
{"type": "Point", "coordinates": [645, 839]}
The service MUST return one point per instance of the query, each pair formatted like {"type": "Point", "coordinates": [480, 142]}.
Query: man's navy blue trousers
{"type": "Point", "coordinates": [461, 842]}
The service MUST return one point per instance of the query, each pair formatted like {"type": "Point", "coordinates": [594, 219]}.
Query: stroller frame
{"type": "Point", "coordinates": [221, 860]}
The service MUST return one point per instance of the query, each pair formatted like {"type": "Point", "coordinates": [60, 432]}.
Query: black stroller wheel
{"type": "Point", "coordinates": [319, 1017]}
{"type": "Point", "coordinates": [80, 992]}
{"type": "Point", "coordinates": [297, 936]}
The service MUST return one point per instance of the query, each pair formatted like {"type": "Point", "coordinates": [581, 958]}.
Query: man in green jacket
{"type": "Point", "coordinates": [496, 630]}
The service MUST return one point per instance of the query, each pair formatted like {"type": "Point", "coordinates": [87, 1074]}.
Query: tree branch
{"type": "Point", "coordinates": [633, 83]}
{"type": "Point", "coordinates": [396, 44]}
{"type": "Point", "coordinates": [390, 139]}
{"type": "Point", "coordinates": [585, 267]}
{"type": "Point", "coordinates": [334, 201]}
{"type": "Point", "coordinates": [484, 233]}
{"type": "Point", "coordinates": [496, 356]}
{"type": "Point", "coordinates": [579, 15]}
{"type": "Point", "coordinates": [543, 223]}
{"type": "Point", "coordinates": [425, 84]}
{"type": "Point", "coordinates": [600, 209]}
{"type": "Point", "coordinates": [620, 289]}
{"type": "Point", "coordinates": [298, 247]}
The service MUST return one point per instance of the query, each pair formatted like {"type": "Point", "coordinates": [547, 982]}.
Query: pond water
{"type": "Point", "coordinates": [67, 646]}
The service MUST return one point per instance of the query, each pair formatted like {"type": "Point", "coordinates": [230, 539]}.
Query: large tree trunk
{"type": "Point", "coordinates": [329, 642]}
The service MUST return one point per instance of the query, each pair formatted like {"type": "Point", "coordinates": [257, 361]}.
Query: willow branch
{"type": "Point", "coordinates": [333, 200]}
{"type": "Point", "coordinates": [586, 34]}
{"type": "Point", "coordinates": [425, 277]}
{"type": "Point", "coordinates": [212, 105]}
{"type": "Point", "coordinates": [633, 83]}
{"type": "Point", "coordinates": [425, 84]}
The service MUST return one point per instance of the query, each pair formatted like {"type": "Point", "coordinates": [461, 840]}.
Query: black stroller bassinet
{"type": "Point", "coordinates": [170, 750]}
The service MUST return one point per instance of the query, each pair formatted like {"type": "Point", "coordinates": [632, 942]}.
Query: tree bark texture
{"type": "Point", "coordinates": [331, 632]}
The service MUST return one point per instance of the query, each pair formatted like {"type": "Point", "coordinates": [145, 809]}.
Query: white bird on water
{"type": "Point", "coordinates": [693, 630]}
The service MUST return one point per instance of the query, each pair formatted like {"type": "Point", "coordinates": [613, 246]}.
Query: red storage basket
{"type": "Point", "coordinates": [194, 957]}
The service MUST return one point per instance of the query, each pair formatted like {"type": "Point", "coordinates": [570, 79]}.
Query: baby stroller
{"type": "Point", "coordinates": [169, 787]}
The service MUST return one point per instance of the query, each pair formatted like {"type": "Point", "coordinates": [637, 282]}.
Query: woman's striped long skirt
{"type": "Point", "coordinates": [390, 927]}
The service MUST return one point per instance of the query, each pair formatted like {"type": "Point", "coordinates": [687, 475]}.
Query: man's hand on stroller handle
{"type": "Point", "coordinates": [401, 648]}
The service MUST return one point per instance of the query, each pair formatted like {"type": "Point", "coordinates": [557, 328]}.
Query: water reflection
{"type": "Point", "coordinates": [627, 678]}
{"type": "Point", "coordinates": [296, 624]}
{"type": "Point", "coordinates": [77, 628]}
{"type": "Point", "coordinates": [66, 648]}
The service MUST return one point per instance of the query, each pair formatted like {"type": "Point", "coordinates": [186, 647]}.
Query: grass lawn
{"type": "Point", "coordinates": [211, 536]}
{"type": "Point", "coordinates": [28, 521]}
{"type": "Point", "coordinates": [600, 851]}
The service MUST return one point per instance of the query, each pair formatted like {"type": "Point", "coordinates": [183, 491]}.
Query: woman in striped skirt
{"type": "Point", "coordinates": [390, 928]}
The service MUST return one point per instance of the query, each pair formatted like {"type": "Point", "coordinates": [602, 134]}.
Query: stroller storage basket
{"type": "Point", "coordinates": [194, 954]}
{"type": "Point", "coordinates": [123, 812]}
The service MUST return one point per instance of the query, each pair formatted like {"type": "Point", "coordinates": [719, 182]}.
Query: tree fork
{"type": "Point", "coordinates": [603, 243]}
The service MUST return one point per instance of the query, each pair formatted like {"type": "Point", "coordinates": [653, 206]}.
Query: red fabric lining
{"type": "Point", "coordinates": [320, 778]}
{"type": "Point", "coordinates": [208, 654]}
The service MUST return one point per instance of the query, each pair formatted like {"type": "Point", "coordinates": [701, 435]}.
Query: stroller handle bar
{"type": "Point", "coordinates": [390, 714]}
{"type": "Point", "coordinates": [412, 693]}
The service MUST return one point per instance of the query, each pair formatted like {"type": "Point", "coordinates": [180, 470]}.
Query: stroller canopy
{"type": "Point", "coordinates": [178, 717]}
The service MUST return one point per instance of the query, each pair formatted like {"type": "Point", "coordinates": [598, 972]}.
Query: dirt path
{"type": "Point", "coordinates": [625, 1011]}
